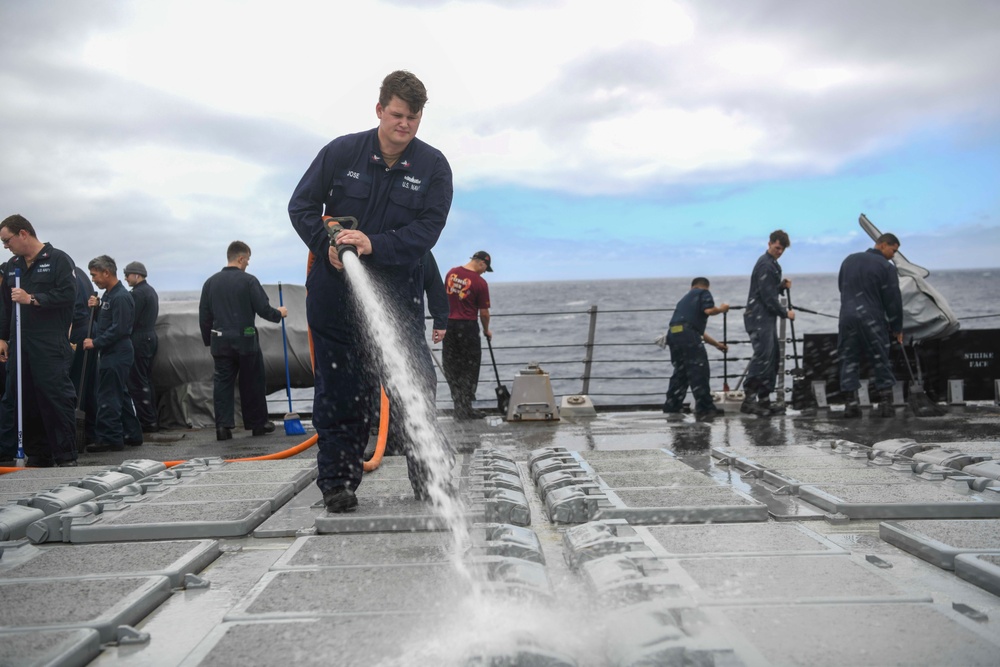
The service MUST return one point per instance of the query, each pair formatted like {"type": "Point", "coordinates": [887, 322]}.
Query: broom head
{"type": "Point", "coordinates": [293, 425]}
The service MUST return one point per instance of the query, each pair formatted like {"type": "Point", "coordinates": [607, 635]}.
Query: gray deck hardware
{"type": "Point", "coordinates": [983, 570]}
{"type": "Point", "coordinates": [15, 519]}
{"type": "Point", "coordinates": [940, 541]}
{"type": "Point", "coordinates": [596, 539]}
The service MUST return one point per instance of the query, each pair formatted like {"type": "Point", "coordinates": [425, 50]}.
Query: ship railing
{"type": "Point", "coordinates": [617, 362]}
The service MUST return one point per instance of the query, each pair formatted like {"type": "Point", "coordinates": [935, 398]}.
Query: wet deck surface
{"type": "Point", "coordinates": [622, 539]}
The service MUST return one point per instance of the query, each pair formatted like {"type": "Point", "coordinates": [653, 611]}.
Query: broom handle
{"type": "Point", "coordinates": [83, 370]}
{"type": "Point", "coordinates": [489, 343]}
{"type": "Point", "coordinates": [906, 359]}
{"type": "Point", "coordinates": [284, 345]}
{"type": "Point", "coordinates": [20, 400]}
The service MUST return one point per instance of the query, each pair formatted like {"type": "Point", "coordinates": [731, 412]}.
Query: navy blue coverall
{"type": "Point", "coordinates": [687, 353]}
{"type": "Point", "coordinates": [230, 300]}
{"type": "Point", "coordinates": [144, 343]}
{"type": "Point", "coordinates": [49, 400]}
{"type": "Point", "coordinates": [870, 307]}
{"type": "Point", "coordinates": [402, 209]}
{"type": "Point", "coordinates": [116, 424]}
{"type": "Point", "coordinates": [759, 316]}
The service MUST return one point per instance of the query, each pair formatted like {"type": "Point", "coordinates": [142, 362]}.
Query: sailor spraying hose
{"type": "Point", "coordinates": [399, 189]}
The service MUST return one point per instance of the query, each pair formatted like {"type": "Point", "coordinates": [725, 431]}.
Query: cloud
{"type": "Point", "coordinates": [166, 131]}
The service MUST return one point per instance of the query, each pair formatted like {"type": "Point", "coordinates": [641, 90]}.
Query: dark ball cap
{"type": "Point", "coordinates": [485, 256]}
{"type": "Point", "coordinates": [135, 267]}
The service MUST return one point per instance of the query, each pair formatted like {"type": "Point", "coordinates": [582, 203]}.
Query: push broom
{"type": "Point", "coordinates": [919, 401]}
{"type": "Point", "coordinates": [293, 425]}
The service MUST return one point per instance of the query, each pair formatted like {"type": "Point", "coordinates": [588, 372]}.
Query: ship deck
{"type": "Point", "coordinates": [617, 539]}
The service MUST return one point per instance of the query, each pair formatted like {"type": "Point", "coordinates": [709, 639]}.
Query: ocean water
{"type": "Point", "coordinates": [628, 367]}
{"type": "Point", "coordinates": [548, 323]}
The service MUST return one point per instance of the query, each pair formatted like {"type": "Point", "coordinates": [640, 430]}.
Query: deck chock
{"type": "Point", "coordinates": [546, 453]}
{"type": "Point", "coordinates": [948, 457]}
{"type": "Point", "coordinates": [498, 480]}
{"type": "Point", "coordinates": [501, 506]}
{"type": "Point", "coordinates": [126, 635]}
{"type": "Point", "coordinates": [554, 464]}
{"type": "Point", "coordinates": [623, 579]}
{"type": "Point", "coordinates": [575, 504]}
{"type": "Point", "coordinates": [597, 539]}
{"type": "Point", "coordinates": [513, 575]}
{"type": "Point", "coordinates": [15, 519]}
{"type": "Point", "coordinates": [560, 478]}
{"type": "Point", "coordinates": [141, 468]}
{"type": "Point", "coordinates": [105, 482]}
{"type": "Point", "coordinates": [988, 469]}
{"type": "Point", "coordinates": [60, 498]}
{"type": "Point", "coordinates": [900, 446]}
{"type": "Point", "coordinates": [956, 392]}
{"type": "Point", "coordinates": [502, 539]}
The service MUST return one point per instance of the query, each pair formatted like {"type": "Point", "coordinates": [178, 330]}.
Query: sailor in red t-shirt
{"type": "Point", "coordinates": [462, 351]}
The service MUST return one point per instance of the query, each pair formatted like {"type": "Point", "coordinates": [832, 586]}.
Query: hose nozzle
{"type": "Point", "coordinates": [335, 225]}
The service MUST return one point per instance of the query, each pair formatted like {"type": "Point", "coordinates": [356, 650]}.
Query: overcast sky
{"type": "Point", "coordinates": [589, 139]}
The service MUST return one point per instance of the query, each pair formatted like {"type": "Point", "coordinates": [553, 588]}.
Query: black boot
{"type": "Point", "coordinates": [339, 500]}
{"type": "Point", "coordinates": [748, 406]}
{"type": "Point", "coordinates": [763, 408]}
{"type": "Point", "coordinates": [852, 407]}
{"type": "Point", "coordinates": [885, 407]}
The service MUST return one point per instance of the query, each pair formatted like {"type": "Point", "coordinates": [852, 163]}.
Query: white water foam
{"type": "Point", "coordinates": [419, 420]}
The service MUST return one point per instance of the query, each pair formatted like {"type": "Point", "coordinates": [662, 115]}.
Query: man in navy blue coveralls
{"type": "Point", "coordinates": [762, 308]}
{"type": "Point", "coordinates": [686, 337]}
{"type": "Point", "coordinates": [46, 295]}
{"type": "Point", "coordinates": [117, 424]}
{"type": "Point", "coordinates": [400, 190]}
{"type": "Point", "coordinates": [230, 302]}
{"type": "Point", "coordinates": [870, 307]}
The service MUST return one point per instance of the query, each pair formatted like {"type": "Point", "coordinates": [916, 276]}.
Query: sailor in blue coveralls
{"type": "Point", "coordinates": [400, 190]}
{"type": "Point", "coordinates": [870, 307]}
{"type": "Point", "coordinates": [117, 424]}
{"type": "Point", "coordinates": [46, 295]}
{"type": "Point", "coordinates": [686, 338]}
{"type": "Point", "coordinates": [762, 308]}
{"type": "Point", "coordinates": [230, 302]}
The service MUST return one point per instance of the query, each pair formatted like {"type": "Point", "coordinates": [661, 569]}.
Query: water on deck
{"type": "Point", "coordinates": [622, 539]}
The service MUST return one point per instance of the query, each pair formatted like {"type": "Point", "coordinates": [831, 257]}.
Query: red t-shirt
{"type": "Point", "coordinates": [467, 293]}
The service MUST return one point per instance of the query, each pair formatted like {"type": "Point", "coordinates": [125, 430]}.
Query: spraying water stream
{"type": "Point", "coordinates": [482, 623]}
{"type": "Point", "coordinates": [428, 443]}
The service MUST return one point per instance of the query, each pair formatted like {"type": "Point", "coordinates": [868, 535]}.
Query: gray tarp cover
{"type": "Point", "coordinates": [183, 368]}
{"type": "Point", "coordinates": [926, 314]}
